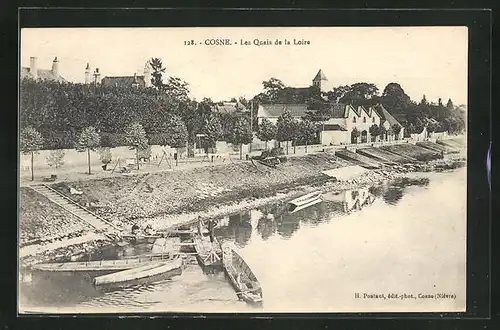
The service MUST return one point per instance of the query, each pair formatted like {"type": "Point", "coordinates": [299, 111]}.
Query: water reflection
{"type": "Point", "coordinates": [237, 227]}
{"type": "Point", "coordinates": [266, 226]}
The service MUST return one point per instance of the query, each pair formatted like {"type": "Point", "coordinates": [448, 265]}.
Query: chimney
{"type": "Point", "coordinates": [97, 76]}
{"type": "Point", "coordinates": [33, 68]}
{"type": "Point", "coordinates": [55, 67]}
{"type": "Point", "coordinates": [87, 74]}
{"type": "Point", "coordinates": [147, 76]}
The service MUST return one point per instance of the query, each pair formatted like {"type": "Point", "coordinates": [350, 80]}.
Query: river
{"type": "Point", "coordinates": [388, 239]}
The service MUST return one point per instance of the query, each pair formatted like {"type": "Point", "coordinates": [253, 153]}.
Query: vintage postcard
{"type": "Point", "coordinates": [256, 169]}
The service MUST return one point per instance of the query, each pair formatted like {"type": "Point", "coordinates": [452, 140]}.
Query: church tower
{"type": "Point", "coordinates": [321, 81]}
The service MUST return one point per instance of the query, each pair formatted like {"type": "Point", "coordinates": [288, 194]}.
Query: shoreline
{"type": "Point", "coordinates": [242, 200]}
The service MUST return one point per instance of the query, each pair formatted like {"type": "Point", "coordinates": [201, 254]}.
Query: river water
{"type": "Point", "coordinates": [389, 239]}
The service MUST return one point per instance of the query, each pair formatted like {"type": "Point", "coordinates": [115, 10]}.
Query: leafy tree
{"type": "Point", "coordinates": [307, 132]}
{"type": "Point", "coordinates": [374, 131]}
{"type": "Point", "coordinates": [272, 87]}
{"type": "Point", "coordinates": [31, 142]}
{"type": "Point", "coordinates": [286, 128]}
{"type": "Point", "coordinates": [177, 135]}
{"type": "Point", "coordinates": [56, 158]}
{"type": "Point", "coordinates": [266, 131]}
{"type": "Point", "coordinates": [395, 99]}
{"type": "Point", "coordinates": [337, 93]}
{"type": "Point", "coordinates": [135, 136]}
{"type": "Point", "coordinates": [382, 132]}
{"type": "Point", "coordinates": [105, 156]}
{"type": "Point", "coordinates": [212, 129]}
{"type": "Point", "coordinates": [89, 139]}
{"type": "Point", "coordinates": [396, 129]}
{"type": "Point", "coordinates": [241, 133]}
{"type": "Point", "coordinates": [355, 134]}
{"type": "Point", "coordinates": [157, 74]}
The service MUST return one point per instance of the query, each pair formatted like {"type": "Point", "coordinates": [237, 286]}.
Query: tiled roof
{"type": "Point", "coordinates": [341, 110]}
{"type": "Point", "coordinates": [230, 107]}
{"type": "Point", "coordinates": [276, 110]}
{"type": "Point", "coordinates": [43, 74]}
{"type": "Point", "coordinates": [124, 81]}
{"type": "Point", "coordinates": [385, 115]}
{"type": "Point", "coordinates": [320, 76]}
{"type": "Point", "coordinates": [333, 127]}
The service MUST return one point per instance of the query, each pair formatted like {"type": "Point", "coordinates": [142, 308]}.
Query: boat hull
{"type": "Point", "coordinates": [208, 254]}
{"type": "Point", "coordinates": [138, 276]}
{"type": "Point", "coordinates": [233, 265]}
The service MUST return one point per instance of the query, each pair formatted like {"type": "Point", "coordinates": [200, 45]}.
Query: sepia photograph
{"type": "Point", "coordinates": [242, 169]}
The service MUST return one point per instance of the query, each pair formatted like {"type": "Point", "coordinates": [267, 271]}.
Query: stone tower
{"type": "Point", "coordinates": [87, 74]}
{"type": "Point", "coordinates": [147, 75]}
{"type": "Point", "coordinates": [321, 81]}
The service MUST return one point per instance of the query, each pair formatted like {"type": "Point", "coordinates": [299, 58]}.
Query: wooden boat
{"type": "Point", "coordinates": [141, 238]}
{"type": "Point", "coordinates": [104, 266]}
{"type": "Point", "coordinates": [241, 277]}
{"type": "Point", "coordinates": [151, 273]}
{"type": "Point", "coordinates": [208, 254]}
{"type": "Point", "coordinates": [304, 201]}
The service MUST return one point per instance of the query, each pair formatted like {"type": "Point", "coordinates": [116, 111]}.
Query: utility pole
{"type": "Point", "coordinates": [251, 116]}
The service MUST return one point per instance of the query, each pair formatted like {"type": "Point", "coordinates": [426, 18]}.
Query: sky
{"type": "Point", "coordinates": [423, 60]}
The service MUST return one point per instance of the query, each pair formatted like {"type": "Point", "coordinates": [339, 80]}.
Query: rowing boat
{"type": "Point", "coordinates": [151, 273]}
{"type": "Point", "coordinates": [101, 266]}
{"type": "Point", "coordinates": [304, 201]}
{"type": "Point", "coordinates": [241, 277]}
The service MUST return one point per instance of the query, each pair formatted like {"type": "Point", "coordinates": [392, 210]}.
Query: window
{"type": "Point", "coordinates": [353, 119]}
{"type": "Point", "coordinates": [373, 119]}
{"type": "Point", "coordinates": [364, 119]}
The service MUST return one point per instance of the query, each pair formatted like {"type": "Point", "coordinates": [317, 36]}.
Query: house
{"type": "Point", "coordinates": [229, 107]}
{"type": "Point", "coordinates": [142, 81]}
{"type": "Point", "coordinates": [33, 72]}
{"type": "Point", "coordinates": [271, 112]}
{"type": "Point", "coordinates": [389, 123]}
{"type": "Point", "coordinates": [343, 123]}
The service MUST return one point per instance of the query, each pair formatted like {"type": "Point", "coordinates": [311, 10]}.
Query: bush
{"type": "Point", "coordinates": [277, 151]}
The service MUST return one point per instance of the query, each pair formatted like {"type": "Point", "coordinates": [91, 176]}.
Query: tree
{"type": "Point", "coordinates": [285, 128]}
{"type": "Point", "coordinates": [440, 102]}
{"type": "Point", "coordinates": [307, 132]}
{"type": "Point", "coordinates": [266, 131]}
{"type": "Point", "coordinates": [382, 131]}
{"type": "Point", "coordinates": [395, 99]}
{"type": "Point", "coordinates": [135, 136]}
{"type": "Point", "coordinates": [241, 133]}
{"type": "Point", "coordinates": [56, 158]}
{"type": "Point", "coordinates": [396, 129]}
{"type": "Point", "coordinates": [105, 156]}
{"type": "Point", "coordinates": [355, 134]}
{"type": "Point", "coordinates": [336, 94]}
{"type": "Point", "coordinates": [157, 74]}
{"type": "Point", "coordinates": [374, 131]}
{"type": "Point", "coordinates": [89, 139]}
{"type": "Point", "coordinates": [272, 87]}
{"type": "Point", "coordinates": [31, 142]}
{"type": "Point", "coordinates": [177, 135]}
{"type": "Point", "coordinates": [212, 129]}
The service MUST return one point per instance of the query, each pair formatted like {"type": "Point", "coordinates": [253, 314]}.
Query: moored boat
{"type": "Point", "coordinates": [151, 273]}
{"type": "Point", "coordinates": [241, 277]}
{"type": "Point", "coordinates": [208, 254]}
{"type": "Point", "coordinates": [304, 201]}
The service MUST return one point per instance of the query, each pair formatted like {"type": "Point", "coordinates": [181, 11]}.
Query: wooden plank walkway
{"type": "Point", "coordinates": [98, 223]}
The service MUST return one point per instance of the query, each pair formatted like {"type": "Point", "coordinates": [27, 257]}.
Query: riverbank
{"type": "Point", "coordinates": [170, 199]}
